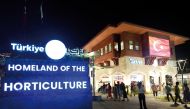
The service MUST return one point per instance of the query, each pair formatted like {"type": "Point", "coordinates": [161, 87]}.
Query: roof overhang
{"type": "Point", "coordinates": [132, 28]}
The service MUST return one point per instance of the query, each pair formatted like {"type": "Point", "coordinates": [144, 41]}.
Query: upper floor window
{"type": "Point", "coordinates": [131, 45]}
{"type": "Point", "coordinates": [109, 47]}
{"type": "Point", "coordinates": [101, 51]}
{"type": "Point", "coordinates": [106, 49]}
{"type": "Point", "coordinates": [122, 45]}
{"type": "Point", "coordinates": [137, 47]}
{"type": "Point", "coordinates": [116, 46]}
{"type": "Point", "coordinates": [98, 53]}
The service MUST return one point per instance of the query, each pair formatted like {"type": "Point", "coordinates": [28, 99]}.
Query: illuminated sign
{"type": "Point", "coordinates": [29, 48]}
{"type": "Point", "coordinates": [28, 86]}
{"type": "Point", "coordinates": [46, 84]}
{"type": "Point", "coordinates": [135, 61]}
{"type": "Point", "coordinates": [159, 47]}
{"type": "Point", "coordinates": [54, 49]}
{"type": "Point", "coordinates": [44, 68]}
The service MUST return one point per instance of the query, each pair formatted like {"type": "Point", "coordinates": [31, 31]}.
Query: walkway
{"type": "Point", "coordinates": [152, 103]}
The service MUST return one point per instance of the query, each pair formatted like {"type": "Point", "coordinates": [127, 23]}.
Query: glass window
{"type": "Point", "coordinates": [101, 52]}
{"type": "Point", "coordinates": [131, 45]}
{"type": "Point", "coordinates": [106, 49]}
{"type": "Point", "coordinates": [137, 47]}
{"type": "Point", "coordinates": [98, 53]}
{"type": "Point", "coordinates": [122, 45]}
{"type": "Point", "coordinates": [109, 48]}
{"type": "Point", "coordinates": [116, 46]}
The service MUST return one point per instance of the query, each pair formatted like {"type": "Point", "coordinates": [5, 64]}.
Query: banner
{"type": "Point", "coordinates": [159, 47]}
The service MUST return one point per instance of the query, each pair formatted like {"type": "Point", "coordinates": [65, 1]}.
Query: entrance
{"type": "Point", "coordinates": [137, 78]}
{"type": "Point", "coordinates": [119, 78]}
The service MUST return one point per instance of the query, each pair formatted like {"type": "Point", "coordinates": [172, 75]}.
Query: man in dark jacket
{"type": "Point", "coordinates": [177, 94]}
{"type": "Point", "coordinates": [168, 92]}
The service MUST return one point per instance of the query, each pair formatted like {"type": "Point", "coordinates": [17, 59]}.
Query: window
{"type": "Point", "coordinates": [109, 48]}
{"type": "Point", "coordinates": [98, 53]}
{"type": "Point", "coordinates": [137, 47]}
{"type": "Point", "coordinates": [122, 45]}
{"type": "Point", "coordinates": [131, 45]}
{"type": "Point", "coordinates": [116, 46]}
{"type": "Point", "coordinates": [101, 51]}
{"type": "Point", "coordinates": [106, 49]}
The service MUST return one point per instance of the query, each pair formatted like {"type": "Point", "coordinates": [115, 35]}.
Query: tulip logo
{"type": "Point", "coordinates": [55, 49]}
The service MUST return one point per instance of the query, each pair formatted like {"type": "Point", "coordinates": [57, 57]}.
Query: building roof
{"type": "Point", "coordinates": [132, 28]}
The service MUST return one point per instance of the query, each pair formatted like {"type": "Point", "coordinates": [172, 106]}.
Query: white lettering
{"type": "Point", "coordinates": [26, 68]}
{"type": "Point", "coordinates": [13, 46]}
{"type": "Point", "coordinates": [34, 84]}
{"type": "Point", "coordinates": [79, 68]}
{"type": "Point", "coordinates": [29, 86]}
{"type": "Point", "coordinates": [47, 85]}
{"type": "Point", "coordinates": [79, 84]}
{"type": "Point", "coordinates": [10, 67]}
{"type": "Point", "coordinates": [59, 87]}
{"type": "Point", "coordinates": [27, 48]}
{"type": "Point", "coordinates": [55, 68]}
{"type": "Point", "coordinates": [18, 86]}
{"type": "Point", "coordinates": [84, 84]}
{"type": "Point", "coordinates": [10, 87]}
{"type": "Point", "coordinates": [55, 85]}
{"type": "Point", "coordinates": [65, 84]}
{"type": "Point", "coordinates": [72, 86]}
{"type": "Point", "coordinates": [19, 67]}
{"type": "Point", "coordinates": [64, 68]}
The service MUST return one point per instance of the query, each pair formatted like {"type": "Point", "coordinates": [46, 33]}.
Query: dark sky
{"type": "Point", "coordinates": [75, 23]}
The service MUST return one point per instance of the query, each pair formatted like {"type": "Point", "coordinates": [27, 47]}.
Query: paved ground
{"type": "Point", "coordinates": [152, 103]}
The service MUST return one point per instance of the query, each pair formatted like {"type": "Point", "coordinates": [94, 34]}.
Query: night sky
{"type": "Point", "coordinates": [76, 23]}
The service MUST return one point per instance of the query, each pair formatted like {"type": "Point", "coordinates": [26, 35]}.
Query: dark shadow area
{"type": "Point", "coordinates": [174, 105]}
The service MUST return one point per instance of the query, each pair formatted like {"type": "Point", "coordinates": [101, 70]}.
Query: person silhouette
{"type": "Point", "coordinates": [141, 95]}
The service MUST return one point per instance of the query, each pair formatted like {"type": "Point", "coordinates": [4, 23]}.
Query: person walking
{"type": "Point", "coordinates": [115, 92]}
{"type": "Point", "coordinates": [118, 87]}
{"type": "Point", "coordinates": [163, 88]}
{"type": "Point", "coordinates": [109, 91]}
{"type": "Point", "coordinates": [168, 92]}
{"type": "Point", "coordinates": [132, 88]}
{"type": "Point", "coordinates": [186, 94]}
{"type": "Point", "coordinates": [141, 95]}
{"type": "Point", "coordinates": [177, 94]}
{"type": "Point", "coordinates": [155, 90]}
{"type": "Point", "coordinates": [127, 92]}
{"type": "Point", "coordinates": [124, 91]}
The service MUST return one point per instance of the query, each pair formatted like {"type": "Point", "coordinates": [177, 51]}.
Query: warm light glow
{"type": "Point", "coordinates": [55, 49]}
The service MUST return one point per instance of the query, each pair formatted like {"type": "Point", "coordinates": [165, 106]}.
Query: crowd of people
{"type": "Point", "coordinates": [168, 91]}
{"type": "Point", "coordinates": [120, 92]}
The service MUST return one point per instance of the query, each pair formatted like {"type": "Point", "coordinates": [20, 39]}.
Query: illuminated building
{"type": "Point", "coordinates": [132, 53]}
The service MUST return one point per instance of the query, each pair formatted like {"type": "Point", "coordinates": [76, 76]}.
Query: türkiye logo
{"type": "Point", "coordinates": [54, 49]}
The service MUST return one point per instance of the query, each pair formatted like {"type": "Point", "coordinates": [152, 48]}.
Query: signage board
{"type": "Point", "coordinates": [54, 49]}
{"type": "Point", "coordinates": [46, 84]}
{"type": "Point", "coordinates": [133, 60]}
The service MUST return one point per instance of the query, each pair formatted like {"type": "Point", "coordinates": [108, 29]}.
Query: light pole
{"type": "Point", "coordinates": [181, 64]}
{"type": "Point", "coordinates": [91, 55]}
